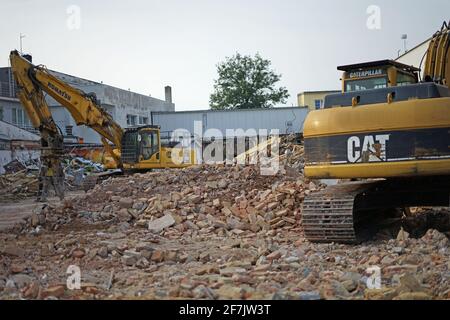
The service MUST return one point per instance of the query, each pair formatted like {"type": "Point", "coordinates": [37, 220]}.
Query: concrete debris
{"type": "Point", "coordinates": [250, 203]}
{"type": "Point", "coordinates": [14, 167]}
{"type": "Point", "coordinates": [81, 173]}
{"type": "Point", "coordinates": [209, 232]}
{"type": "Point", "coordinates": [21, 179]}
{"type": "Point", "coordinates": [160, 224]}
{"type": "Point", "coordinates": [402, 235]}
{"type": "Point", "coordinates": [12, 250]}
{"type": "Point", "coordinates": [18, 185]}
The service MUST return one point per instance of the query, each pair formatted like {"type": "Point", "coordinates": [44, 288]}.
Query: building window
{"type": "Point", "coordinates": [69, 130]}
{"type": "Point", "coordinates": [1, 113]}
{"type": "Point", "coordinates": [19, 118]}
{"type": "Point", "coordinates": [318, 104]}
{"type": "Point", "coordinates": [131, 120]}
{"type": "Point", "coordinates": [143, 120]}
{"type": "Point", "coordinates": [14, 115]}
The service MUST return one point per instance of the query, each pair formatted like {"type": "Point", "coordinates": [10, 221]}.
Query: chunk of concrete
{"type": "Point", "coordinates": [160, 224]}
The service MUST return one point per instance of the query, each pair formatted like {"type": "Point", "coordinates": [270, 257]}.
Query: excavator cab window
{"type": "Point", "coordinates": [149, 143]}
{"type": "Point", "coordinates": [404, 79]}
{"type": "Point", "coordinates": [377, 75]}
{"type": "Point", "coordinates": [366, 84]}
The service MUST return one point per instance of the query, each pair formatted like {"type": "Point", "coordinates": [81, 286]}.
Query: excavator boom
{"type": "Point", "coordinates": [437, 63]}
{"type": "Point", "coordinates": [84, 108]}
{"type": "Point", "coordinates": [33, 100]}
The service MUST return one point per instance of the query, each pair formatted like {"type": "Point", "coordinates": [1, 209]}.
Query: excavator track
{"type": "Point", "coordinates": [327, 216]}
{"type": "Point", "coordinates": [351, 212]}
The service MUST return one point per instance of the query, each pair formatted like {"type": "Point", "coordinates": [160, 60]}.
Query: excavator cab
{"type": "Point", "coordinates": [141, 144]}
{"type": "Point", "coordinates": [384, 81]}
{"type": "Point", "coordinates": [377, 75]}
{"type": "Point", "coordinates": [145, 148]}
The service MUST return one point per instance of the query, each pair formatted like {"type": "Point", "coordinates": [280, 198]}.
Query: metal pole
{"type": "Point", "coordinates": [404, 38]}
{"type": "Point", "coordinates": [21, 37]}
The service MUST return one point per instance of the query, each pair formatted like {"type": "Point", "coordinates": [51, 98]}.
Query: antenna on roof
{"type": "Point", "coordinates": [404, 38]}
{"type": "Point", "coordinates": [21, 37]}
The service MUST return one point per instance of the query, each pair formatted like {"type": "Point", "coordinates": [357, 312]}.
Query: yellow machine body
{"type": "Point", "coordinates": [384, 124]}
{"type": "Point", "coordinates": [417, 118]}
{"type": "Point", "coordinates": [151, 153]}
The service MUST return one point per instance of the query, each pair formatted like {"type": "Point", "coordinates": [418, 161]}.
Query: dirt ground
{"type": "Point", "coordinates": [12, 213]}
{"type": "Point", "coordinates": [209, 233]}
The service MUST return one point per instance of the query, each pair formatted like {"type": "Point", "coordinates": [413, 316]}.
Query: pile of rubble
{"type": "Point", "coordinates": [202, 199]}
{"type": "Point", "coordinates": [292, 153]}
{"type": "Point", "coordinates": [118, 261]}
{"type": "Point", "coordinates": [210, 232]}
{"type": "Point", "coordinates": [18, 185]}
{"type": "Point", "coordinates": [20, 180]}
{"type": "Point", "coordinates": [77, 169]}
{"type": "Point", "coordinates": [15, 165]}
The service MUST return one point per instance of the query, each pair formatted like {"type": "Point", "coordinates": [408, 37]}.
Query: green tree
{"type": "Point", "coordinates": [246, 82]}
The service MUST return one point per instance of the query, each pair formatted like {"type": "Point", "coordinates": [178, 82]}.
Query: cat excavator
{"type": "Point", "coordinates": [388, 132]}
{"type": "Point", "coordinates": [138, 148]}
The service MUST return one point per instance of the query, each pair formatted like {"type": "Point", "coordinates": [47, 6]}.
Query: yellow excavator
{"type": "Point", "coordinates": [389, 133]}
{"type": "Point", "coordinates": [139, 148]}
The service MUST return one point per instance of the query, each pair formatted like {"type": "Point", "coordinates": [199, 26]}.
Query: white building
{"type": "Point", "coordinates": [16, 143]}
{"type": "Point", "coordinates": [416, 56]}
{"type": "Point", "coordinates": [126, 107]}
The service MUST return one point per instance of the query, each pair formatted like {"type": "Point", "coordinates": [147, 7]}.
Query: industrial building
{"type": "Point", "coordinates": [131, 109]}
{"type": "Point", "coordinates": [233, 123]}
{"type": "Point", "coordinates": [127, 108]}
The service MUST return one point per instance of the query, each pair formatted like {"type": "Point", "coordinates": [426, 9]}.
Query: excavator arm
{"type": "Point", "coordinates": [33, 100]}
{"type": "Point", "coordinates": [84, 108]}
{"type": "Point", "coordinates": [437, 63]}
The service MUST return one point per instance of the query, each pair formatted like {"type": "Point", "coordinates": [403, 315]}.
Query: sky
{"type": "Point", "coordinates": [146, 45]}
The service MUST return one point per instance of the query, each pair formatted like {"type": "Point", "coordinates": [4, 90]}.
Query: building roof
{"type": "Point", "coordinates": [378, 63]}
{"type": "Point", "coordinates": [319, 91]}
{"type": "Point", "coordinates": [82, 83]}
{"type": "Point", "coordinates": [225, 110]}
